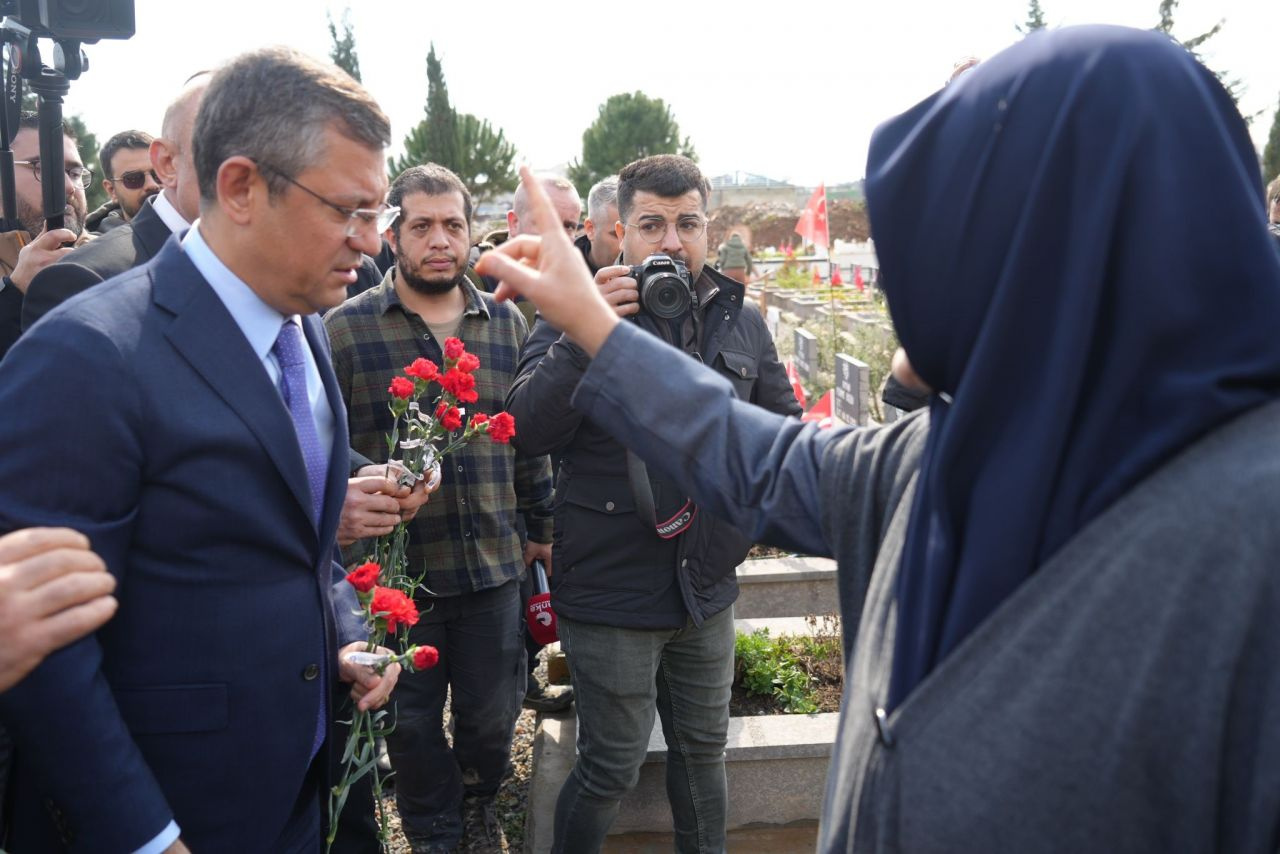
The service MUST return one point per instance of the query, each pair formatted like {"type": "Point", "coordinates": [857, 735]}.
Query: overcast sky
{"type": "Point", "coordinates": [788, 90]}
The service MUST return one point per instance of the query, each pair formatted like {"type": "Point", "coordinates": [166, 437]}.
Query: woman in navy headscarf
{"type": "Point", "coordinates": [1061, 584]}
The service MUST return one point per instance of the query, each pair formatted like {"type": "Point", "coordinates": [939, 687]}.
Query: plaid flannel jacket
{"type": "Point", "coordinates": [466, 537]}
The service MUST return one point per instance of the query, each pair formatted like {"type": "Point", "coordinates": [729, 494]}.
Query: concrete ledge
{"type": "Point", "coordinates": [777, 626]}
{"type": "Point", "coordinates": [793, 568]}
{"type": "Point", "coordinates": [788, 587]}
{"type": "Point", "coordinates": [776, 766]}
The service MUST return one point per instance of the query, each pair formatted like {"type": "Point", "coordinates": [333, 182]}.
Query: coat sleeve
{"type": "Point", "coordinates": [540, 396]}
{"type": "Point", "coordinates": [70, 405]}
{"type": "Point", "coordinates": [773, 390]}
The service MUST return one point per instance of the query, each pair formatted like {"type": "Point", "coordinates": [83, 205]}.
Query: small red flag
{"type": "Point", "coordinates": [812, 225]}
{"type": "Point", "coordinates": [817, 277]}
{"type": "Point", "coordinates": [857, 278]}
{"type": "Point", "coordinates": [836, 278]}
{"type": "Point", "coordinates": [821, 411]}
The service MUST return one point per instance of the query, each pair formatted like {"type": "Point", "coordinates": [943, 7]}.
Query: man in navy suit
{"type": "Point", "coordinates": [186, 419]}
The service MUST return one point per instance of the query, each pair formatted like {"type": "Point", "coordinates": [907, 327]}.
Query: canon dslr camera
{"type": "Point", "coordinates": [666, 288]}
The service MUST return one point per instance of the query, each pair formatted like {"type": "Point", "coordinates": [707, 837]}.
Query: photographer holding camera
{"type": "Point", "coordinates": [644, 581]}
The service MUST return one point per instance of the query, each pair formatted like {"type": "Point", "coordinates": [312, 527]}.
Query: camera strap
{"type": "Point", "coordinates": [642, 495]}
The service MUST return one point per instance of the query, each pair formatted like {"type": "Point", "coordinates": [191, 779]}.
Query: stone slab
{"type": "Point", "coordinates": [776, 767]}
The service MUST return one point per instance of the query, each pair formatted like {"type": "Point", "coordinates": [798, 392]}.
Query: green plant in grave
{"type": "Point", "coordinates": [792, 276]}
{"type": "Point", "coordinates": [769, 668]}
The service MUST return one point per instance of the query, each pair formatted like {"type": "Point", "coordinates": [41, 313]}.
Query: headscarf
{"type": "Point", "coordinates": [1074, 254]}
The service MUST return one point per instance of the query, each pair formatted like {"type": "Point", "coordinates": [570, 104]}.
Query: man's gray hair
{"type": "Point", "coordinates": [520, 204]}
{"type": "Point", "coordinates": [274, 106]}
{"type": "Point", "coordinates": [600, 197]}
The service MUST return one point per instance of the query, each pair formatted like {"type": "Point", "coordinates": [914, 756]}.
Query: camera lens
{"type": "Point", "coordinates": [665, 296]}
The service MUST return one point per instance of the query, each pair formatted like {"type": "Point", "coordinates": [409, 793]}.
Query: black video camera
{"type": "Point", "coordinates": [666, 288]}
{"type": "Point", "coordinates": [82, 20]}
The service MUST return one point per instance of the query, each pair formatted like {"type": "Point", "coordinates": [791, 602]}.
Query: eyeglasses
{"type": "Point", "coordinates": [81, 175]}
{"type": "Point", "coordinates": [135, 178]}
{"type": "Point", "coordinates": [688, 229]}
{"type": "Point", "coordinates": [358, 219]}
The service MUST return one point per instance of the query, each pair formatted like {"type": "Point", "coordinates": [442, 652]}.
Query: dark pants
{"type": "Point", "coordinates": [621, 678]}
{"type": "Point", "coordinates": [482, 661]}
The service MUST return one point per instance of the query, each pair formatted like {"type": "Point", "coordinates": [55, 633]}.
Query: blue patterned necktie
{"type": "Point", "coordinates": [293, 387]}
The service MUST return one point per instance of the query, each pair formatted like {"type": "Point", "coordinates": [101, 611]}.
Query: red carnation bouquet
{"type": "Point", "coordinates": [383, 586]}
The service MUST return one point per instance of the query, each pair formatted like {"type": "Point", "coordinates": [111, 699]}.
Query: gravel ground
{"type": "Point", "coordinates": [513, 796]}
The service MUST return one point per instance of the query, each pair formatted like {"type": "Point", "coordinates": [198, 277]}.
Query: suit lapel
{"type": "Point", "coordinates": [339, 454]}
{"type": "Point", "coordinates": [206, 335]}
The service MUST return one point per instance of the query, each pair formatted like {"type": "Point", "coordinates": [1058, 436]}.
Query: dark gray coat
{"type": "Point", "coordinates": [610, 566]}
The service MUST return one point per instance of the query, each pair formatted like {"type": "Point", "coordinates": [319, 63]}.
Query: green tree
{"type": "Point", "coordinates": [1234, 86]}
{"type": "Point", "coordinates": [1035, 19]}
{"type": "Point", "coordinates": [485, 158]}
{"type": "Point", "coordinates": [1271, 154]}
{"type": "Point", "coordinates": [477, 152]}
{"type": "Point", "coordinates": [343, 49]}
{"type": "Point", "coordinates": [629, 126]}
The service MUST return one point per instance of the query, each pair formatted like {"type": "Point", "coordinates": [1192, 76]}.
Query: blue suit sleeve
{"type": "Point", "coordinates": [753, 468]}
{"type": "Point", "coordinates": [70, 409]}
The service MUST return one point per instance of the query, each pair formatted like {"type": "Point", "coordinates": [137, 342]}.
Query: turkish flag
{"type": "Point", "coordinates": [836, 278]}
{"type": "Point", "coordinates": [821, 412]}
{"type": "Point", "coordinates": [812, 225]}
{"type": "Point", "coordinates": [857, 278]}
{"type": "Point", "coordinates": [793, 377]}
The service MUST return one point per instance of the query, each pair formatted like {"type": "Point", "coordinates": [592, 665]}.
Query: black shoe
{"type": "Point", "coordinates": [481, 831]}
{"type": "Point", "coordinates": [540, 698]}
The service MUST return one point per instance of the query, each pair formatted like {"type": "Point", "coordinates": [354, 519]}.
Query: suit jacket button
{"type": "Point", "coordinates": [310, 672]}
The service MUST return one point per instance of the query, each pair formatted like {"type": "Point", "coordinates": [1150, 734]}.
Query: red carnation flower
{"type": "Point", "coordinates": [502, 427]}
{"type": "Point", "coordinates": [453, 348]}
{"type": "Point", "coordinates": [459, 384]}
{"type": "Point", "coordinates": [451, 419]}
{"type": "Point", "coordinates": [423, 369]}
{"type": "Point", "coordinates": [425, 657]}
{"type": "Point", "coordinates": [401, 388]}
{"type": "Point", "coordinates": [364, 577]}
{"type": "Point", "coordinates": [478, 419]}
{"type": "Point", "coordinates": [394, 607]}
{"type": "Point", "coordinates": [468, 362]}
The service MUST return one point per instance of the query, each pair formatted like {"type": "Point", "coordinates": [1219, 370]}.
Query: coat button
{"type": "Point", "coordinates": [743, 371]}
{"type": "Point", "coordinates": [882, 724]}
{"type": "Point", "coordinates": [608, 505]}
{"type": "Point", "coordinates": [310, 672]}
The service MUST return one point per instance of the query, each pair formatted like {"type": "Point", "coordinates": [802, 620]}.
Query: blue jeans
{"type": "Point", "coordinates": [481, 644]}
{"type": "Point", "coordinates": [620, 677]}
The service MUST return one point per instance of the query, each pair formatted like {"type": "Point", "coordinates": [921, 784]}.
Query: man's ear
{"type": "Point", "coordinates": [162, 160]}
{"type": "Point", "coordinates": [619, 229]}
{"type": "Point", "coordinates": [110, 189]}
{"type": "Point", "coordinates": [589, 226]}
{"type": "Point", "coordinates": [241, 188]}
{"type": "Point", "coordinates": [512, 222]}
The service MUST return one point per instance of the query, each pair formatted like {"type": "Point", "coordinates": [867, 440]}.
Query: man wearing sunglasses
{"type": "Point", "coordinates": [128, 178]}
